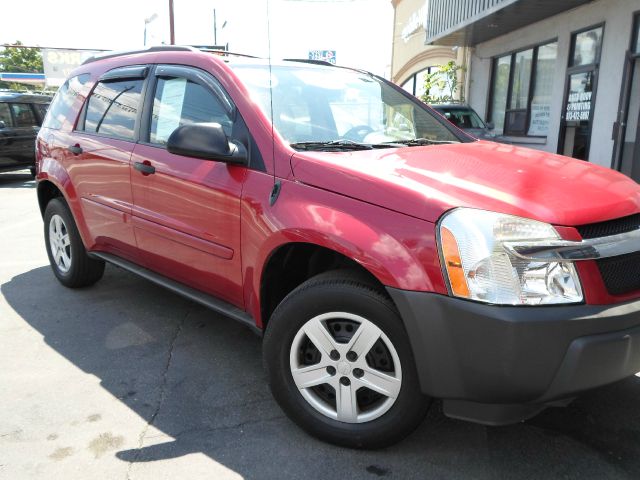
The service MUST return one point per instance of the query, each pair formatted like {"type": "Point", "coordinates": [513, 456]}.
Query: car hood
{"type": "Point", "coordinates": [425, 182]}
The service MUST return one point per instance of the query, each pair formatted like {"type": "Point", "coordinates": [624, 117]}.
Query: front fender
{"type": "Point", "coordinates": [399, 250]}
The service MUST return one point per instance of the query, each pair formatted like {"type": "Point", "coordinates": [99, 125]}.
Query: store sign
{"type": "Point", "coordinates": [416, 22]}
{"type": "Point", "coordinates": [323, 55]}
{"type": "Point", "coordinates": [579, 106]}
{"type": "Point", "coordinates": [58, 64]}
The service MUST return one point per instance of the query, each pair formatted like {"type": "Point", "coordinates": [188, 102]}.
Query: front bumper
{"type": "Point", "coordinates": [500, 364]}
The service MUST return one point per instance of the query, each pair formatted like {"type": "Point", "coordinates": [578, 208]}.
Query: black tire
{"type": "Point", "coordinates": [349, 292]}
{"type": "Point", "coordinates": [83, 270]}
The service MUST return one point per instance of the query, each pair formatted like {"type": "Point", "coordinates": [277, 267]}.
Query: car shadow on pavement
{"type": "Point", "coordinates": [16, 180]}
{"type": "Point", "coordinates": [197, 378]}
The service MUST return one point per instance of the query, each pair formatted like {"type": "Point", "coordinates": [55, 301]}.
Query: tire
{"type": "Point", "coordinates": [354, 314]}
{"type": "Point", "coordinates": [68, 258]}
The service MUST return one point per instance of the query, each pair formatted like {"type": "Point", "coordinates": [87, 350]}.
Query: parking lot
{"type": "Point", "coordinates": [126, 380]}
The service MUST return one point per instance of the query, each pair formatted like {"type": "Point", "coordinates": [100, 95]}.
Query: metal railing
{"type": "Point", "coordinates": [445, 15]}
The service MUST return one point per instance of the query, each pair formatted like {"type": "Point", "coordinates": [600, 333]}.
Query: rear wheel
{"type": "Point", "coordinates": [67, 255]}
{"type": "Point", "coordinates": [340, 364]}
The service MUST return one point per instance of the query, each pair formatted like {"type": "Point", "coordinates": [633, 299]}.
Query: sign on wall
{"type": "Point", "coordinates": [58, 64]}
{"type": "Point", "coordinates": [324, 55]}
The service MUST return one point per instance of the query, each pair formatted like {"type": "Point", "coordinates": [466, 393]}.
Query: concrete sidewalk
{"type": "Point", "coordinates": [126, 380]}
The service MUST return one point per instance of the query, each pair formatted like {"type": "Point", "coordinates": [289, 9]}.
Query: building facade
{"type": "Point", "coordinates": [561, 76]}
{"type": "Point", "coordinates": [411, 59]}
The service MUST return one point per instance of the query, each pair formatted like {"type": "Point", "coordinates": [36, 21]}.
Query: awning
{"type": "Point", "coordinates": [469, 22]}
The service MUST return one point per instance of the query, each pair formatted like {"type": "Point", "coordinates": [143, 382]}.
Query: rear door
{"type": "Point", "coordinates": [8, 149]}
{"type": "Point", "coordinates": [100, 155]}
{"type": "Point", "coordinates": [21, 136]}
{"type": "Point", "coordinates": [187, 210]}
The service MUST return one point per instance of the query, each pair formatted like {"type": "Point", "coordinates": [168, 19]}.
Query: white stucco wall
{"type": "Point", "coordinates": [617, 15]}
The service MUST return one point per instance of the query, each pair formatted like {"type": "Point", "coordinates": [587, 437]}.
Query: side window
{"type": "Point", "coordinates": [5, 115]}
{"type": "Point", "coordinates": [179, 101]}
{"type": "Point", "coordinates": [112, 108]}
{"type": "Point", "coordinates": [41, 108]}
{"type": "Point", "coordinates": [23, 115]}
{"type": "Point", "coordinates": [61, 105]}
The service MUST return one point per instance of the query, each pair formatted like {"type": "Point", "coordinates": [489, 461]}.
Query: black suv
{"type": "Point", "coordinates": [20, 118]}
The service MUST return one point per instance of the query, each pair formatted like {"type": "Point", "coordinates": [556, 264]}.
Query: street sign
{"type": "Point", "coordinates": [324, 55]}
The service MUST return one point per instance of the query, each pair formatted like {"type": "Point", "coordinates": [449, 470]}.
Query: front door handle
{"type": "Point", "coordinates": [144, 167]}
{"type": "Point", "coordinates": [75, 149]}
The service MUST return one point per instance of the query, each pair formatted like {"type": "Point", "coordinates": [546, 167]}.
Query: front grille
{"type": "Point", "coordinates": [621, 274]}
{"type": "Point", "coordinates": [610, 227]}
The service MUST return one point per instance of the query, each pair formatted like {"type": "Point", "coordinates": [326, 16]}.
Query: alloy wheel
{"type": "Point", "coordinates": [345, 367]}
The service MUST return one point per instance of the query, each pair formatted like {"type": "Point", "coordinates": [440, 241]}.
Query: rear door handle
{"type": "Point", "coordinates": [75, 149]}
{"type": "Point", "coordinates": [144, 167]}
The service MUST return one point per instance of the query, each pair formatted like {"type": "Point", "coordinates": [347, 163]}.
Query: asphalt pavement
{"type": "Point", "coordinates": [125, 380]}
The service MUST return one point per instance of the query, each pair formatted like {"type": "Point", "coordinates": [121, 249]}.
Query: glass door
{"type": "Point", "coordinates": [580, 93]}
{"type": "Point", "coordinates": [627, 147]}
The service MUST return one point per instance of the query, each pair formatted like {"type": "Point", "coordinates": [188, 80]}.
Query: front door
{"type": "Point", "coordinates": [187, 210]}
{"type": "Point", "coordinates": [580, 93]}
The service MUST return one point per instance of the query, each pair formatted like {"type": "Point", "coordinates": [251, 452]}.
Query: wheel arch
{"type": "Point", "coordinates": [290, 264]}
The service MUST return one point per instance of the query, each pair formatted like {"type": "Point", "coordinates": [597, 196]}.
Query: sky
{"type": "Point", "coordinates": [360, 31]}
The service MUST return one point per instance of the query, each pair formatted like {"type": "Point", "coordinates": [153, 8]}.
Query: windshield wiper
{"type": "Point", "coordinates": [340, 145]}
{"type": "Point", "coordinates": [418, 142]}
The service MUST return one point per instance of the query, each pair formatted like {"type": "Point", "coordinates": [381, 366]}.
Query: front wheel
{"type": "Point", "coordinates": [340, 364]}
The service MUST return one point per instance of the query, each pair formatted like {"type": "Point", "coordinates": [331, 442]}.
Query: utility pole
{"type": "Point", "coordinates": [215, 28]}
{"type": "Point", "coordinates": [172, 35]}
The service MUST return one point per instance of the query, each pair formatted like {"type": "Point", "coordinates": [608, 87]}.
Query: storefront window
{"type": "Point", "coordinates": [500, 89]}
{"type": "Point", "coordinates": [586, 48]}
{"type": "Point", "coordinates": [541, 101]}
{"type": "Point", "coordinates": [521, 79]}
{"type": "Point", "coordinates": [410, 85]}
{"type": "Point", "coordinates": [514, 108]}
{"type": "Point", "coordinates": [637, 50]}
{"type": "Point", "coordinates": [415, 84]}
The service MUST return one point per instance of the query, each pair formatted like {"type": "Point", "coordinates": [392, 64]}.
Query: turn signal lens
{"type": "Point", "coordinates": [453, 264]}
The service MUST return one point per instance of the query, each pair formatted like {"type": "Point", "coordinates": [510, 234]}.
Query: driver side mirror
{"type": "Point", "coordinates": [207, 141]}
{"type": "Point", "coordinates": [490, 125]}
{"type": "Point", "coordinates": [2, 124]}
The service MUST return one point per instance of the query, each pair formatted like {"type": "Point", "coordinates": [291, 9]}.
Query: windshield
{"type": "Point", "coordinates": [463, 117]}
{"type": "Point", "coordinates": [327, 104]}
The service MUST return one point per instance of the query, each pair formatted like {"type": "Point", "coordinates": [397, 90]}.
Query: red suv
{"type": "Point", "coordinates": [387, 257]}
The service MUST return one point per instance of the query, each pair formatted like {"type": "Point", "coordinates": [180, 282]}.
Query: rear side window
{"type": "Point", "coordinates": [60, 108]}
{"type": "Point", "coordinates": [5, 115]}
{"type": "Point", "coordinates": [113, 107]}
{"type": "Point", "coordinates": [179, 101]}
{"type": "Point", "coordinates": [23, 115]}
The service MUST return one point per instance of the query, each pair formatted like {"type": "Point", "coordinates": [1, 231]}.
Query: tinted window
{"type": "Point", "coordinates": [61, 105]}
{"type": "Point", "coordinates": [112, 108]}
{"type": "Point", "coordinates": [5, 115]}
{"type": "Point", "coordinates": [41, 108]}
{"type": "Point", "coordinates": [463, 118]}
{"type": "Point", "coordinates": [179, 101]}
{"type": "Point", "coordinates": [23, 115]}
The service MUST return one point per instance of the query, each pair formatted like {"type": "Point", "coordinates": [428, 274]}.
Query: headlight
{"type": "Point", "coordinates": [478, 267]}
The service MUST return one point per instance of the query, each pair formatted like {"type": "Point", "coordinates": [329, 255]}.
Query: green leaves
{"type": "Point", "coordinates": [442, 85]}
{"type": "Point", "coordinates": [19, 60]}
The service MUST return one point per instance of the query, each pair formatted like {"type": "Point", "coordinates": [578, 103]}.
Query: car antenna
{"type": "Point", "coordinates": [275, 191]}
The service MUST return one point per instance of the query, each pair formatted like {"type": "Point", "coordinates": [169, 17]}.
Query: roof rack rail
{"type": "Point", "coordinates": [224, 52]}
{"type": "Point", "coordinates": [158, 48]}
